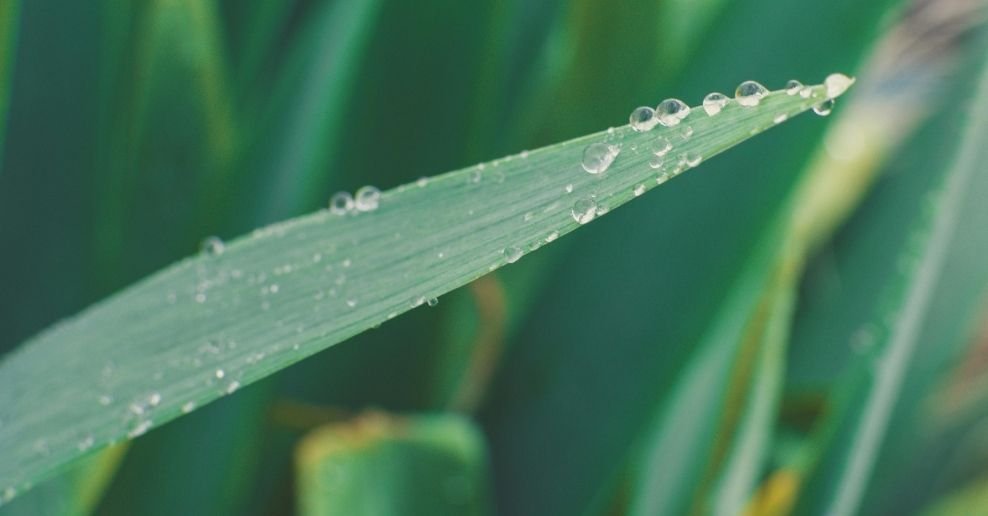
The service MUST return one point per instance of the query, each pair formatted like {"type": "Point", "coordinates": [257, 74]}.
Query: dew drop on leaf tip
{"type": "Point", "coordinates": [714, 102]}
{"type": "Point", "coordinates": [837, 84]}
{"type": "Point", "coordinates": [750, 93]}
{"type": "Point", "coordinates": [793, 87]}
{"type": "Point", "coordinates": [824, 108]}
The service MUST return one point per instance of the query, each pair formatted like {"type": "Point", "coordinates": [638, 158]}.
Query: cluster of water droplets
{"type": "Point", "coordinates": [365, 199]}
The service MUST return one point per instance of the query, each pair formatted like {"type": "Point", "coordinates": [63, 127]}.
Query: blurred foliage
{"type": "Point", "coordinates": [695, 351]}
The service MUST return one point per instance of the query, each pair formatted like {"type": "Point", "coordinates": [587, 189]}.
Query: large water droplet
{"type": "Point", "coordinates": [584, 210]}
{"type": "Point", "coordinates": [750, 93]}
{"type": "Point", "coordinates": [793, 87]}
{"type": "Point", "coordinates": [837, 83]}
{"type": "Point", "coordinates": [367, 198]}
{"type": "Point", "coordinates": [824, 108]}
{"type": "Point", "coordinates": [671, 111]}
{"type": "Point", "coordinates": [341, 203]}
{"type": "Point", "coordinates": [692, 159]}
{"type": "Point", "coordinates": [212, 246]}
{"type": "Point", "coordinates": [597, 157]}
{"type": "Point", "coordinates": [714, 102]}
{"type": "Point", "coordinates": [512, 254]}
{"type": "Point", "coordinates": [643, 119]}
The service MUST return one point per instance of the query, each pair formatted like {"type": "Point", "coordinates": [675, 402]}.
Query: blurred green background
{"type": "Point", "coordinates": [132, 130]}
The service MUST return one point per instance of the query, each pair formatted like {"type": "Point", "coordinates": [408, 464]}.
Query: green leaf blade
{"type": "Point", "coordinates": [202, 328]}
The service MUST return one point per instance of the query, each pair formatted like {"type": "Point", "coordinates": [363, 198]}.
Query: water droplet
{"type": "Point", "coordinates": [692, 159]}
{"type": "Point", "coordinates": [782, 117]}
{"type": "Point", "coordinates": [837, 83]}
{"type": "Point", "coordinates": [551, 236]}
{"type": "Point", "coordinates": [597, 157]}
{"type": "Point", "coordinates": [806, 92]}
{"type": "Point", "coordinates": [105, 400]}
{"type": "Point", "coordinates": [714, 102]}
{"type": "Point", "coordinates": [687, 132]}
{"type": "Point", "coordinates": [512, 253]}
{"type": "Point", "coordinates": [189, 406]}
{"type": "Point", "coordinates": [86, 443]}
{"type": "Point", "coordinates": [416, 302]}
{"type": "Point", "coordinates": [643, 119]}
{"type": "Point", "coordinates": [433, 301]}
{"type": "Point", "coordinates": [584, 210]}
{"type": "Point", "coordinates": [154, 399]}
{"type": "Point", "coordinates": [569, 188]}
{"type": "Point", "coordinates": [220, 373]}
{"type": "Point", "coordinates": [656, 162]}
{"type": "Point", "coordinates": [793, 87]}
{"type": "Point", "coordinates": [661, 146]}
{"type": "Point", "coordinates": [671, 111]}
{"type": "Point", "coordinates": [421, 182]}
{"type": "Point", "coordinates": [139, 430]}
{"type": "Point", "coordinates": [367, 198]}
{"type": "Point", "coordinates": [750, 93]}
{"type": "Point", "coordinates": [212, 246]}
{"type": "Point", "coordinates": [640, 189]}
{"type": "Point", "coordinates": [352, 303]}
{"type": "Point", "coordinates": [9, 494]}
{"type": "Point", "coordinates": [341, 203]}
{"type": "Point", "coordinates": [232, 387]}
{"type": "Point", "coordinates": [824, 108]}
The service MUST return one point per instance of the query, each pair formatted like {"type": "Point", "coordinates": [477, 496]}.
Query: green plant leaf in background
{"type": "Point", "coordinates": [9, 21]}
{"type": "Point", "coordinates": [74, 493]}
{"type": "Point", "coordinates": [208, 325]}
{"type": "Point", "coordinates": [384, 465]}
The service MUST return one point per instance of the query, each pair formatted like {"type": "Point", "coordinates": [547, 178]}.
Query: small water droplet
{"type": "Point", "coordinates": [643, 119]}
{"type": "Point", "coordinates": [219, 373]}
{"type": "Point", "coordinates": [9, 494]}
{"type": "Point", "coordinates": [640, 189]}
{"type": "Point", "coordinates": [232, 387]}
{"type": "Point", "coordinates": [341, 203]}
{"type": "Point", "coordinates": [523, 154]}
{"type": "Point", "coordinates": [416, 302]}
{"type": "Point", "coordinates": [433, 301]}
{"type": "Point", "coordinates": [512, 253]}
{"type": "Point", "coordinates": [714, 102]}
{"type": "Point", "coordinates": [367, 198]}
{"type": "Point", "coordinates": [837, 83]}
{"type": "Point", "coordinates": [687, 132]}
{"type": "Point", "coordinates": [824, 108]}
{"type": "Point", "coordinates": [584, 210]}
{"type": "Point", "coordinates": [212, 246]}
{"type": "Point", "coordinates": [551, 236]}
{"type": "Point", "coordinates": [189, 406]}
{"type": "Point", "coordinates": [656, 162]}
{"type": "Point", "coordinates": [692, 159]}
{"type": "Point", "coordinates": [139, 430]}
{"type": "Point", "coordinates": [597, 157]}
{"type": "Point", "coordinates": [750, 93]}
{"type": "Point", "coordinates": [421, 182]}
{"type": "Point", "coordinates": [671, 112]}
{"type": "Point", "coordinates": [154, 399]}
{"type": "Point", "coordinates": [352, 303]}
{"type": "Point", "coordinates": [86, 443]}
{"type": "Point", "coordinates": [661, 146]}
{"type": "Point", "coordinates": [105, 400]}
{"type": "Point", "coordinates": [569, 188]}
{"type": "Point", "coordinates": [806, 92]}
{"type": "Point", "coordinates": [793, 87]}
{"type": "Point", "coordinates": [782, 117]}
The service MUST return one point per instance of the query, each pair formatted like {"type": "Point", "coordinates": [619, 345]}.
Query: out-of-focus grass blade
{"type": "Point", "coordinates": [310, 100]}
{"type": "Point", "coordinates": [880, 381]}
{"type": "Point", "coordinates": [207, 325]}
{"type": "Point", "coordinates": [9, 15]}
{"type": "Point", "coordinates": [380, 465]}
{"type": "Point", "coordinates": [74, 493]}
{"type": "Point", "coordinates": [967, 500]}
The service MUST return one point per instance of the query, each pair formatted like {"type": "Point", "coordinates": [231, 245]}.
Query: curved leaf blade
{"type": "Point", "coordinates": [203, 327]}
